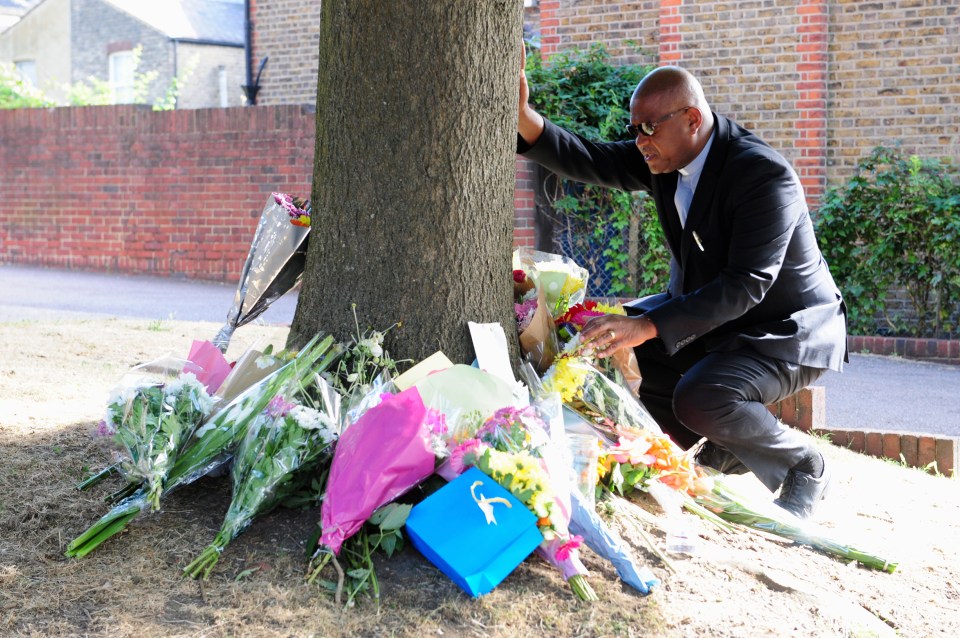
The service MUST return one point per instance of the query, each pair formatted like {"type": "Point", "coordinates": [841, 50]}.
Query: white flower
{"type": "Point", "coordinates": [187, 385]}
{"type": "Point", "coordinates": [121, 395]}
{"type": "Point", "coordinates": [310, 419]}
{"type": "Point", "coordinates": [373, 344]}
{"type": "Point", "coordinates": [184, 382]}
{"type": "Point", "coordinates": [438, 446]}
{"type": "Point", "coordinates": [353, 376]}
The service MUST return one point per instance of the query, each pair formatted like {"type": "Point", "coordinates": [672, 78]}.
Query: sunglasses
{"type": "Point", "coordinates": [649, 128]}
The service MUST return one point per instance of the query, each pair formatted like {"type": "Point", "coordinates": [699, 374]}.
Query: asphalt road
{"type": "Point", "coordinates": [873, 393]}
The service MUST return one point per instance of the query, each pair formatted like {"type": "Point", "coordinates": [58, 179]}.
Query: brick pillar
{"type": "Point", "coordinates": [670, 37]}
{"type": "Point", "coordinates": [524, 207]}
{"type": "Point", "coordinates": [811, 164]}
{"type": "Point", "coordinates": [524, 210]}
{"type": "Point", "coordinates": [549, 22]}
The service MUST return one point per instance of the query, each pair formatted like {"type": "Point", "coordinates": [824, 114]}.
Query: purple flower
{"type": "Point", "coordinates": [105, 429]}
{"type": "Point", "coordinates": [278, 407]}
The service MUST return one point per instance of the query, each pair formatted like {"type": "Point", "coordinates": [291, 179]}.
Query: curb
{"type": "Point", "coordinates": [806, 410]}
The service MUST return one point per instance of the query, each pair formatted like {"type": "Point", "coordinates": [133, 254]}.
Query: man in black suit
{"type": "Point", "coordinates": [751, 315]}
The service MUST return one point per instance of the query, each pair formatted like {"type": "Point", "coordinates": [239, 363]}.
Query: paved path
{"type": "Point", "coordinates": [873, 392]}
{"type": "Point", "coordinates": [35, 293]}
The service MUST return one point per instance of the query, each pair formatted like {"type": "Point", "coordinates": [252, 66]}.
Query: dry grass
{"type": "Point", "coordinates": [54, 379]}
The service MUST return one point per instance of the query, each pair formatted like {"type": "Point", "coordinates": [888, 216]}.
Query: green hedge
{"type": "Point", "coordinates": [894, 226]}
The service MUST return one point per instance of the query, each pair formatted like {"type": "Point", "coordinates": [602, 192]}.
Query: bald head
{"type": "Point", "coordinates": [674, 85]}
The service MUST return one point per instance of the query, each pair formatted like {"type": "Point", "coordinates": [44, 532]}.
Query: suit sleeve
{"type": "Point", "coordinates": [612, 164]}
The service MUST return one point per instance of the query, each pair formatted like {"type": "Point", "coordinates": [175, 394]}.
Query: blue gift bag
{"type": "Point", "coordinates": [474, 531]}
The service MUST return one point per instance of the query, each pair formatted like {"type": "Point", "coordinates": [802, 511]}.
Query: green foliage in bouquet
{"type": "Point", "coordinates": [212, 444]}
{"type": "Point", "coordinates": [585, 93]}
{"type": "Point", "coordinates": [895, 225]}
{"type": "Point", "coordinates": [288, 438]}
{"type": "Point", "coordinates": [382, 532]}
{"type": "Point", "coordinates": [153, 424]}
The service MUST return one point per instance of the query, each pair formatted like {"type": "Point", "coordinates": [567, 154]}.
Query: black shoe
{"type": "Point", "coordinates": [801, 492]}
{"type": "Point", "coordinates": [719, 458]}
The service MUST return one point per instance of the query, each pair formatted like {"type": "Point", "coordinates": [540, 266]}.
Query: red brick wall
{"type": "Point", "coordinates": [523, 220]}
{"type": "Point", "coordinates": [126, 189]}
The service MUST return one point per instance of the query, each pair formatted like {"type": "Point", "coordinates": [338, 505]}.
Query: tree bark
{"type": "Point", "coordinates": [414, 172]}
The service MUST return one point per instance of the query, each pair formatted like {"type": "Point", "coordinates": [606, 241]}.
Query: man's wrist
{"type": "Point", "coordinates": [649, 328]}
{"type": "Point", "coordinates": [530, 125]}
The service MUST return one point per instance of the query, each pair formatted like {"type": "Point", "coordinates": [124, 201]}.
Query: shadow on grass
{"type": "Point", "coordinates": [133, 585]}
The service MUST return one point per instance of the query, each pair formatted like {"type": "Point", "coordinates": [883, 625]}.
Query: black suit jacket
{"type": "Point", "coordinates": [757, 277]}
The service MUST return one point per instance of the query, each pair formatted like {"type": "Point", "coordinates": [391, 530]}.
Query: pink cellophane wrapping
{"type": "Point", "coordinates": [384, 454]}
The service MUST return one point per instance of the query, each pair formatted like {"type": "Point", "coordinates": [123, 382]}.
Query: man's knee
{"type": "Point", "coordinates": [705, 408]}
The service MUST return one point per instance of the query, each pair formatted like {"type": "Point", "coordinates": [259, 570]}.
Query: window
{"type": "Point", "coordinates": [27, 70]}
{"type": "Point", "coordinates": [122, 66]}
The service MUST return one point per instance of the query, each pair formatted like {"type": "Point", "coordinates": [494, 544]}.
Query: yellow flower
{"type": "Point", "coordinates": [566, 376]}
{"type": "Point", "coordinates": [610, 309]}
{"type": "Point", "coordinates": [529, 481]}
{"type": "Point", "coordinates": [571, 285]}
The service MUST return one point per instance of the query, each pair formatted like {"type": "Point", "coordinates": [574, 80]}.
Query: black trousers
{"type": "Point", "coordinates": [723, 396]}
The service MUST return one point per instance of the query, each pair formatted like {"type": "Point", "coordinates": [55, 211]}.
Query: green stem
{"type": "Point", "coordinates": [314, 572]}
{"type": "Point", "coordinates": [203, 564]}
{"type": "Point", "coordinates": [581, 587]}
{"type": "Point", "coordinates": [110, 524]}
{"type": "Point", "coordinates": [96, 478]}
{"type": "Point", "coordinates": [124, 492]}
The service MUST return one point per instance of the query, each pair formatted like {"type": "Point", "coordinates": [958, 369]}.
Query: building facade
{"type": "Point", "coordinates": [144, 51]}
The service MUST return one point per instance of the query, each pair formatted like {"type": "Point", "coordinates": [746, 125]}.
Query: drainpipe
{"type": "Point", "coordinates": [252, 87]}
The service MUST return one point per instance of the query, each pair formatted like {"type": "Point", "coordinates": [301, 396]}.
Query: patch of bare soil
{"type": "Point", "coordinates": [54, 381]}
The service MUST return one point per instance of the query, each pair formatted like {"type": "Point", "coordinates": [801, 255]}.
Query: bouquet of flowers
{"type": "Point", "coordinates": [274, 264]}
{"type": "Point", "coordinates": [621, 365]}
{"type": "Point", "coordinates": [641, 457]}
{"type": "Point", "coordinates": [288, 437]}
{"type": "Point", "coordinates": [151, 422]}
{"type": "Point", "coordinates": [561, 280]}
{"type": "Point", "coordinates": [587, 391]}
{"type": "Point", "coordinates": [386, 452]}
{"type": "Point", "coordinates": [722, 499]}
{"type": "Point", "coordinates": [213, 443]}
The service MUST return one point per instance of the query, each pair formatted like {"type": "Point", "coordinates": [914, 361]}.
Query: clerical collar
{"type": "Point", "coordinates": [692, 170]}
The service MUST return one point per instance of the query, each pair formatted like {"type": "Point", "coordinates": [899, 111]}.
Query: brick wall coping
{"type": "Point", "coordinates": [935, 350]}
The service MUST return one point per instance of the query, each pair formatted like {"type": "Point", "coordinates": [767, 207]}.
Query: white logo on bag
{"type": "Point", "coordinates": [486, 504]}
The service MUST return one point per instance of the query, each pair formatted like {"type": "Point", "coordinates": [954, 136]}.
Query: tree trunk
{"type": "Point", "coordinates": [414, 172]}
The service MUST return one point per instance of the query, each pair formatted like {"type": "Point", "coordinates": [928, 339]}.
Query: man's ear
{"type": "Point", "coordinates": [694, 119]}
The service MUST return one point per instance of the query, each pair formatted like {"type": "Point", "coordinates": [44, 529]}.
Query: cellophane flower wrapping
{"type": "Point", "coordinates": [586, 390]}
{"type": "Point", "coordinates": [151, 416]}
{"type": "Point", "coordinates": [722, 499]}
{"type": "Point", "coordinates": [378, 458]}
{"type": "Point", "coordinates": [537, 333]}
{"type": "Point", "coordinates": [562, 280]}
{"type": "Point", "coordinates": [213, 442]}
{"type": "Point", "coordinates": [622, 365]}
{"type": "Point", "coordinates": [290, 436]}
